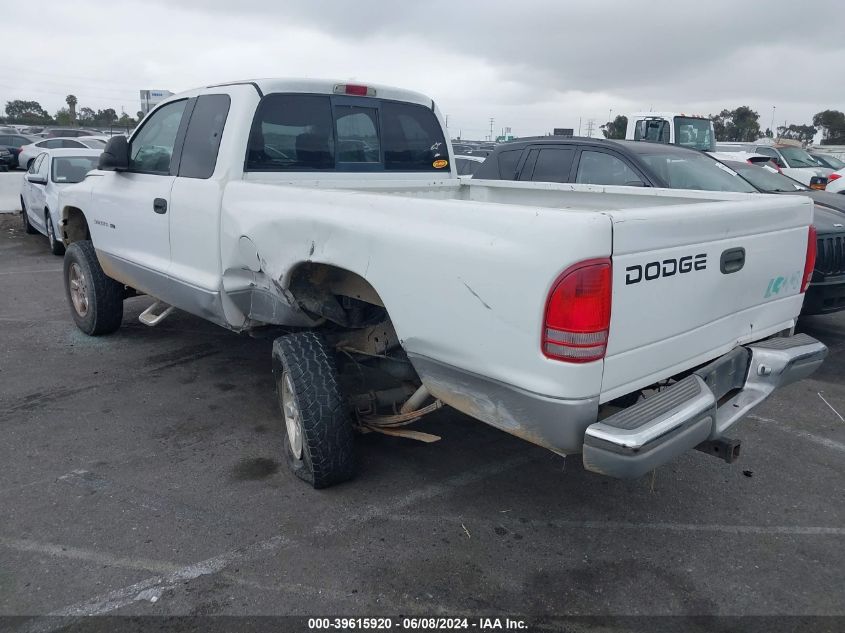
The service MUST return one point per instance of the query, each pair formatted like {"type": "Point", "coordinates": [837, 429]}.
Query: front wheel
{"type": "Point", "coordinates": [96, 300]}
{"type": "Point", "coordinates": [319, 442]}
{"type": "Point", "coordinates": [56, 247]}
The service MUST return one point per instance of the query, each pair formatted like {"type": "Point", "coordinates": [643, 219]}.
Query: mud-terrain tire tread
{"type": "Point", "coordinates": [105, 312]}
{"type": "Point", "coordinates": [328, 455]}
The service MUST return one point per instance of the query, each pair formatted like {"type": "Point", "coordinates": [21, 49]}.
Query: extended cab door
{"type": "Point", "coordinates": [195, 209]}
{"type": "Point", "coordinates": [130, 223]}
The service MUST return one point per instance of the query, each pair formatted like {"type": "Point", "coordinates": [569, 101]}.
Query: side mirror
{"type": "Point", "coordinates": [35, 179]}
{"type": "Point", "coordinates": [115, 156]}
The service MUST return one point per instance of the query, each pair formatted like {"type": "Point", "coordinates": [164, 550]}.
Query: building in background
{"type": "Point", "coordinates": [151, 98]}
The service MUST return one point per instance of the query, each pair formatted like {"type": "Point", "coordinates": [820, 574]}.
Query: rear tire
{"type": "Point", "coordinates": [96, 300]}
{"type": "Point", "coordinates": [27, 227]}
{"type": "Point", "coordinates": [318, 440]}
{"type": "Point", "coordinates": [56, 247]}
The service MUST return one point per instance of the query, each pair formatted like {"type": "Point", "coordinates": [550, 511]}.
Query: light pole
{"type": "Point", "coordinates": [772, 128]}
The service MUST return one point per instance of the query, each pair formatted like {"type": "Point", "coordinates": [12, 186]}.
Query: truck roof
{"type": "Point", "coordinates": [327, 86]}
{"type": "Point", "coordinates": [666, 115]}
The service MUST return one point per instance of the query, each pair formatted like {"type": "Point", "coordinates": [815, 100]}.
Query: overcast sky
{"type": "Point", "coordinates": [532, 65]}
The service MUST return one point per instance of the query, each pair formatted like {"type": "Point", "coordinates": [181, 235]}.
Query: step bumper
{"type": "Point", "coordinates": [699, 408]}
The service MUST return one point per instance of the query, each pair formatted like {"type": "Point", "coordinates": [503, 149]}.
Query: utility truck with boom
{"type": "Point", "coordinates": [623, 323]}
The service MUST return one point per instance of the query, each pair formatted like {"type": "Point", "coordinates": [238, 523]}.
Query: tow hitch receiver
{"type": "Point", "coordinates": [724, 448]}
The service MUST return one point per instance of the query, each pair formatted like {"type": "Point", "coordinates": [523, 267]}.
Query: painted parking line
{"type": "Point", "coordinates": [154, 586]}
{"type": "Point", "coordinates": [806, 435]}
{"type": "Point", "coordinates": [53, 550]}
{"type": "Point", "coordinates": [26, 272]}
{"type": "Point", "coordinates": [771, 530]}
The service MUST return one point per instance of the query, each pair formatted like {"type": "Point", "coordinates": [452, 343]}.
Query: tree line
{"type": "Point", "coordinates": [31, 113]}
{"type": "Point", "coordinates": [743, 124]}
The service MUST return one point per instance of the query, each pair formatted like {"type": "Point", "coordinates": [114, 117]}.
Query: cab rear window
{"type": "Point", "coordinates": [302, 132]}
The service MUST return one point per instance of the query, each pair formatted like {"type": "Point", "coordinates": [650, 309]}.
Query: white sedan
{"type": "Point", "coordinates": [29, 152]}
{"type": "Point", "coordinates": [48, 174]}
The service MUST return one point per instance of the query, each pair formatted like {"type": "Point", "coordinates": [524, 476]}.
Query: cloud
{"type": "Point", "coordinates": [531, 65]}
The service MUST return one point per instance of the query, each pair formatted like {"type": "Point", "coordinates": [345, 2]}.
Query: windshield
{"type": "Point", "coordinates": [797, 157]}
{"type": "Point", "coordinates": [695, 171]}
{"type": "Point", "coordinates": [831, 161]}
{"type": "Point", "coordinates": [769, 181]}
{"type": "Point", "coordinates": [70, 169]}
{"type": "Point", "coordinates": [694, 133]}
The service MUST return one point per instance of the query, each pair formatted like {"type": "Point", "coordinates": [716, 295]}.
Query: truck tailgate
{"type": "Point", "coordinates": [692, 281]}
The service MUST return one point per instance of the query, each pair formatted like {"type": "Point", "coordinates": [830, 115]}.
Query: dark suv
{"type": "Point", "coordinates": [13, 143]}
{"type": "Point", "coordinates": [602, 162]}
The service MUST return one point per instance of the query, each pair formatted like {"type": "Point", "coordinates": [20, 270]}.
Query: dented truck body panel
{"type": "Point", "coordinates": [462, 269]}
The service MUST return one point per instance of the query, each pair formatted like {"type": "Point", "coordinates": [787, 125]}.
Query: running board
{"type": "Point", "coordinates": [152, 317]}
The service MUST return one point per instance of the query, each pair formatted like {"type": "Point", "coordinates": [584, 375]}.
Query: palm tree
{"type": "Point", "coordinates": [71, 104]}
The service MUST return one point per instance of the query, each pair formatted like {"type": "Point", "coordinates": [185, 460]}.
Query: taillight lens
{"type": "Point", "coordinates": [810, 262]}
{"type": "Point", "coordinates": [356, 90]}
{"type": "Point", "coordinates": [577, 319]}
{"type": "Point", "coordinates": [833, 177]}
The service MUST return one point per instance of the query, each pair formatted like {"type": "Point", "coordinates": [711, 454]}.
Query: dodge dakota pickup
{"type": "Point", "coordinates": [625, 324]}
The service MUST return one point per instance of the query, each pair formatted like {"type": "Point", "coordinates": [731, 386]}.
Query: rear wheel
{"type": "Point", "coordinates": [25, 220]}
{"type": "Point", "coordinates": [56, 247]}
{"type": "Point", "coordinates": [318, 440]}
{"type": "Point", "coordinates": [96, 300]}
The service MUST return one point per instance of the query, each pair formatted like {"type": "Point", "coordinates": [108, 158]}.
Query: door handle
{"type": "Point", "coordinates": [160, 205]}
{"type": "Point", "coordinates": [732, 260]}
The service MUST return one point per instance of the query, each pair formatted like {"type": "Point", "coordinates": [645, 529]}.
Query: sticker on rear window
{"type": "Point", "coordinates": [440, 164]}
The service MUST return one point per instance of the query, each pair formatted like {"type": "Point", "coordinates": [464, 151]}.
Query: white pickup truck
{"type": "Point", "coordinates": [624, 323]}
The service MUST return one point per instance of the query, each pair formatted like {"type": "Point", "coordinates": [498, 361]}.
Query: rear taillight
{"type": "Point", "coordinates": [833, 177]}
{"type": "Point", "coordinates": [577, 319]}
{"type": "Point", "coordinates": [810, 262]}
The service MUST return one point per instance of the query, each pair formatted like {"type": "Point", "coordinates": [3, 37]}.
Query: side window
{"type": "Point", "coordinates": [412, 138]}
{"type": "Point", "coordinates": [553, 164]}
{"type": "Point", "coordinates": [598, 168]}
{"type": "Point", "coordinates": [33, 169]}
{"type": "Point", "coordinates": [357, 135]}
{"type": "Point", "coordinates": [507, 163]}
{"type": "Point", "coordinates": [51, 144]}
{"type": "Point", "coordinates": [152, 148]}
{"type": "Point", "coordinates": [202, 140]}
{"type": "Point", "coordinates": [291, 132]}
{"type": "Point", "coordinates": [655, 130]}
{"type": "Point", "coordinates": [43, 165]}
{"type": "Point", "coordinates": [6, 140]}
{"type": "Point", "coordinates": [72, 144]}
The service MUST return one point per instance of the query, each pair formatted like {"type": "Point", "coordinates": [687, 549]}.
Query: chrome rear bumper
{"type": "Point", "coordinates": [699, 408]}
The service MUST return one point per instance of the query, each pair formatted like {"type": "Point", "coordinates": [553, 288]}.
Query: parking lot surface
{"type": "Point", "coordinates": [143, 474]}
